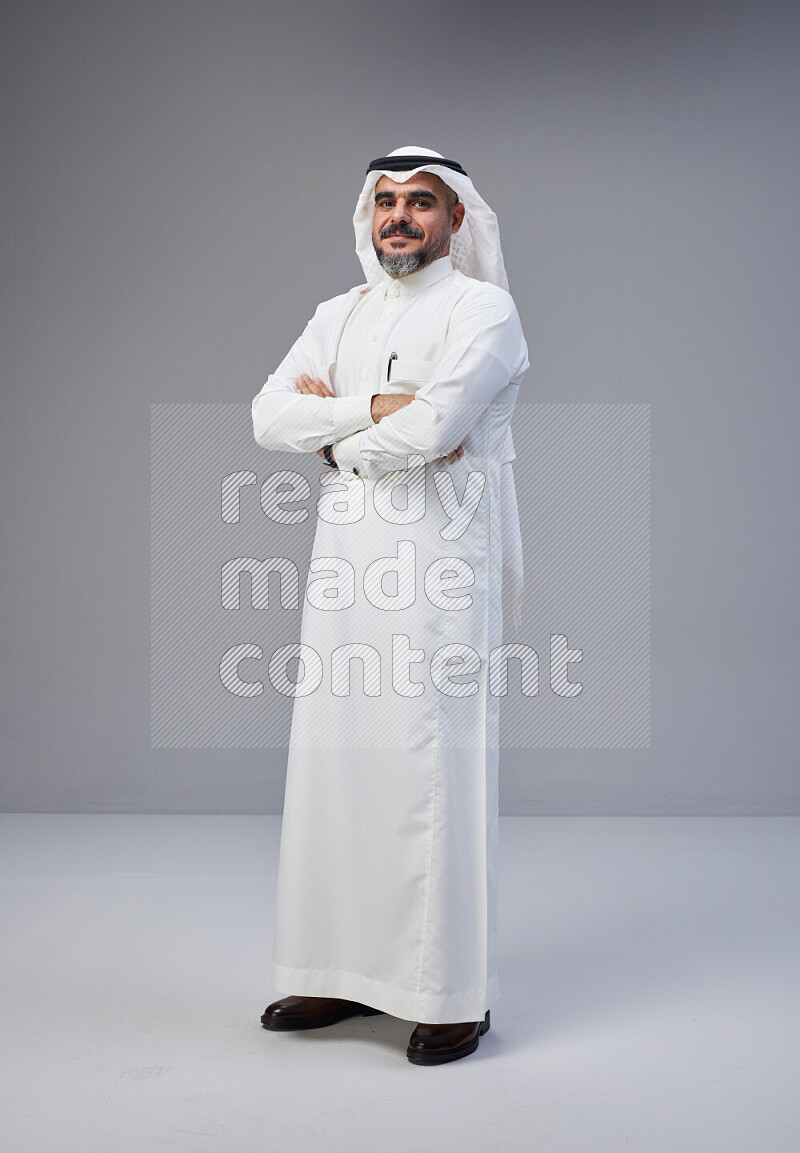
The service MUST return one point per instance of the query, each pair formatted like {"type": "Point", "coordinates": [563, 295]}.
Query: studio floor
{"type": "Point", "coordinates": [650, 997]}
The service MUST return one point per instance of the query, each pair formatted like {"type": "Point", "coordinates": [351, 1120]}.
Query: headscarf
{"type": "Point", "coordinates": [474, 249]}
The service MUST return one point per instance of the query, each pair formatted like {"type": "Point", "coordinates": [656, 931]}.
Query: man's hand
{"type": "Point", "coordinates": [312, 386]}
{"type": "Point", "coordinates": [453, 456]}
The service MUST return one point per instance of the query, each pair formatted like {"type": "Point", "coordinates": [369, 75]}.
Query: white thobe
{"type": "Point", "coordinates": [387, 879]}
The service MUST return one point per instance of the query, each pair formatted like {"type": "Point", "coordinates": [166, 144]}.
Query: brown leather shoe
{"type": "Point", "coordinates": [435, 1044]}
{"type": "Point", "coordinates": [312, 1012]}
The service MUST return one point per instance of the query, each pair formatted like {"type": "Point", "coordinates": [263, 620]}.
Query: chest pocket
{"type": "Point", "coordinates": [408, 375]}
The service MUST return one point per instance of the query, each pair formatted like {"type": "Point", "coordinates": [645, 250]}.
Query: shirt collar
{"type": "Point", "coordinates": [415, 281]}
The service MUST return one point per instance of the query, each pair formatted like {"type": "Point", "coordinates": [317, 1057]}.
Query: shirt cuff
{"type": "Point", "coordinates": [347, 455]}
{"type": "Point", "coordinates": [351, 414]}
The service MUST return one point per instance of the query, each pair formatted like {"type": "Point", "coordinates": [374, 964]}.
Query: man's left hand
{"type": "Point", "coordinates": [312, 386]}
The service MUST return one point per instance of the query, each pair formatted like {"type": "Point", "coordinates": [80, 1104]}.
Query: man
{"type": "Point", "coordinates": [387, 877]}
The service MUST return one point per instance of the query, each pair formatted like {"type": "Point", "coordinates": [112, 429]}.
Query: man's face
{"type": "Point", "coordinates": [413, 222]}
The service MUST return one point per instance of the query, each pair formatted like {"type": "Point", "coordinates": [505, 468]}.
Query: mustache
{"type": "Point", "coordinates": [401, 230]}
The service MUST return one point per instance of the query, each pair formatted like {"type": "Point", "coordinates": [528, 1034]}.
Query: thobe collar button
{"type": "Point", "coordinates": [414, 282]}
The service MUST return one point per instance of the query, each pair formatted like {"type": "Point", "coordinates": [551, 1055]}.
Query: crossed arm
{"type": "Point", "coordinates": [297, 411]}
{"type": "Point", "coordinates": [484, 355]}
{"type": "Point", "coordinates": [382, 405]}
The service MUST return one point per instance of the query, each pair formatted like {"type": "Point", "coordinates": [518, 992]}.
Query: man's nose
{"type": "Point", "coordinates": [399, 210]}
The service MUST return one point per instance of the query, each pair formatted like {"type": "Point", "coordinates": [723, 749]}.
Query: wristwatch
{"type": "Point", "coordinates": [326, 448]}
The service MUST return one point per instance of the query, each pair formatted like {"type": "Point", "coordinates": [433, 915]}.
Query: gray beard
{"type": "Point", "coordinates": [402, 263]}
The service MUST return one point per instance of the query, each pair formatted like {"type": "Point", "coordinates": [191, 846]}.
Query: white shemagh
{"type": "Point", "coordinates": [475, 251]}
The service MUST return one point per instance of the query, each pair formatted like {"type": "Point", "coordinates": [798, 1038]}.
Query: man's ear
{"type": "Point", "coordinates": [457, 217]}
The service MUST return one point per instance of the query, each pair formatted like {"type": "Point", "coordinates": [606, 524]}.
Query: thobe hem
{"type": "Point", "coordinates": [429, 1007]}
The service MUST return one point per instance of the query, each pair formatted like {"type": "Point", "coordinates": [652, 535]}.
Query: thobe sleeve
{"type": "Point", "coordinates": [292, 421]}
{"type": "Point", "coordinates": [485, 350]}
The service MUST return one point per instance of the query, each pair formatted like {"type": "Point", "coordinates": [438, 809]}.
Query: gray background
{"type": "Point", "coordinates": [179, 181]}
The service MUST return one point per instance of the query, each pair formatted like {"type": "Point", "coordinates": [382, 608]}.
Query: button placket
{"type": "Point", "coordinates": [377, 338]}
